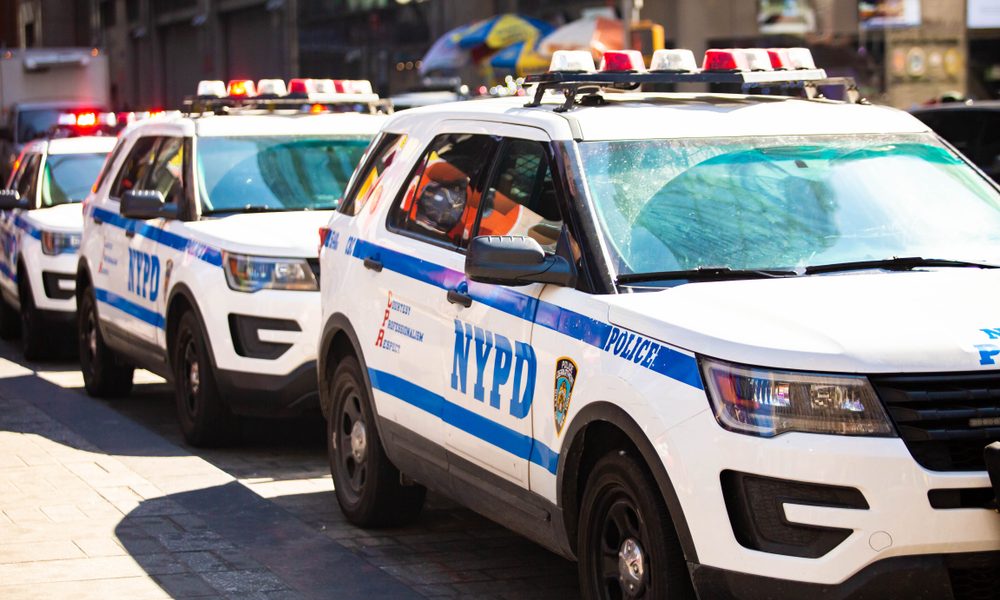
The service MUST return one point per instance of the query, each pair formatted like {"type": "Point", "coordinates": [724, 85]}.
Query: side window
{"type": "Point", "coordinates": [136, 166]}
{"type": "Point", "coordinates": [109, 163]}
{"type": "Point", "coordinates": [167, 175]}
{"type": "Point", "coordinates": [28, 179]}
{"type": "Point", "coordinates": [521, 198]}
{"type": "Point", "coordinates": [441, 200]}
{"type": "Point", "coordinates": [369, 175]}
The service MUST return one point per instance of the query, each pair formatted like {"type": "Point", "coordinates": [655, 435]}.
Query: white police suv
{"type": "Point", "coordinates": [199, 253]}
{"type": "Point", "coordinates": [40, 227]}
{"type": "Point", "coordinates": [732, 344]}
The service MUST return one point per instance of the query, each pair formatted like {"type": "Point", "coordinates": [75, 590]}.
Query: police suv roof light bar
{"type": "Point", "coordinates": [754, 69]}
{"type": "Point", "coordinates": [270, 94]}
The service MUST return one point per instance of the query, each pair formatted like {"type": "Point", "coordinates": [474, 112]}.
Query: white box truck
{"type": "Point", "coordinates": [39, 84]}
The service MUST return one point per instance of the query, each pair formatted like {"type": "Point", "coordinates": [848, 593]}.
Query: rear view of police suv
{"type": "Point", "coordinates": [199, 253]}
{"type": "Point", "coordinates": [731, 345]}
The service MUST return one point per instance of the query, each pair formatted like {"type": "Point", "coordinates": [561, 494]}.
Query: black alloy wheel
{"type": "Point", "coordinates": [369, 488]}
{"type": "Point", "coordinates": [627, 546]}
{"type": "Point", "coordinates": [36, 343]}
{"type": "Point", "coordinates": [105, 374]}
{"type": "Point", "coordinates": [204, 418]}
{"type": "Point", "coordinates": [10, 321]}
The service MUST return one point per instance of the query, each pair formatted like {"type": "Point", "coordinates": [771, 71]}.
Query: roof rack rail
{"type": "Point", "coordinates": [370, 103]}
{"type": "Point", "coordinates": [573, 84]}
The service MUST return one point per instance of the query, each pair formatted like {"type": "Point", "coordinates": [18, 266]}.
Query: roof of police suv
{"type": "Point", "coordinates": [261, 123]}
{"type": "Point", "coordinates": [654, 116]}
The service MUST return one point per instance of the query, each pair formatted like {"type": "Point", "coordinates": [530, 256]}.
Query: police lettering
{"type": "Point", "coordinates": [632, 347]}
{"type": "Point", "coordinates": [513, 363]}
{"type": "Point", "coordinates": [143, 274]}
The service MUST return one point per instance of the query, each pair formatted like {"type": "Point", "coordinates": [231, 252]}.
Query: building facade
{"type": "Point", "coordinates": [901, 51]}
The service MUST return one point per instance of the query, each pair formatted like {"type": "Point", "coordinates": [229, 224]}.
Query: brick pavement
{"type": "Point", "coordinates": [148, 511]}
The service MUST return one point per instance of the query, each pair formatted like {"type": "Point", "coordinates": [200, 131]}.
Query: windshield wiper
{"type": "Point", "coordinates": [249, 208]}
{"type": "Point", "coordinates": [704, 274]}
{"type": "Point", "coordinates": [896, 263]}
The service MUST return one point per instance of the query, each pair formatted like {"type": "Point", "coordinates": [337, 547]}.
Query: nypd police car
{"type": "Point", "coordinates": [727, 344]}
{"type": "Point", "coordinates": [40, 232]}
{"type": "Point", "coordinates": [199, 252]}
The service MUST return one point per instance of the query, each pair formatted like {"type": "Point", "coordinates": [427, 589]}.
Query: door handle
{"type": "Point", "coordinates": [98, 221]}
{"type": "Point", "coordinates": [457, 297]}
{"type": "Point", "coordinates": [373, 264]}
{"type": "Point", "coordinates": [130, 233]}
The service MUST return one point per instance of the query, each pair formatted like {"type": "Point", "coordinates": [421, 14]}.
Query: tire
{"type": "Point", "coordinates": [204, 418]}
{"type": "Point", "coordinates": [36, 340]}
{"type": "Point", "coordinates": [367, 485]}
{"type": "Point", "coordinates": [10, 321]}
{"type": "Point", "coordinates": [627, 546]}
{"type": "Point", "coordinates": [105, 374]}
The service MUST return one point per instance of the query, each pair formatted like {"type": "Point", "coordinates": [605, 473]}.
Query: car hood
{"type": "Point", "coordinates": [66, 218]}
{"type": "Point", "coordinates": [265, 234]}
{"type": "Point", "coordinates": [870, 322]}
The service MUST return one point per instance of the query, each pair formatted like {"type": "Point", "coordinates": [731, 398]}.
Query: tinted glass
{"type": "Point", "coordinates": [369, 176]}
{"type": "Point", "coordinates": [784, 203]}
{"type": "Point", "coordinates": [69, 177]}
{"type": "Point", "coordinates": [27, 180]}
{"type": "Point", "coordinates": [441, 200]}
{"type": "Point", "coordinates": [167, 176]}
{"type": "Point", "coordinates": [136, 166]}
{"type": "Point", "coordinates": [521, 199]}
{"type": "Point", "coordinates": [275, 173]}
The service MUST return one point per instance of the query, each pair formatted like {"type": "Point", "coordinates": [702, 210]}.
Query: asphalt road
{"type": "Point", "coordinates": [450, 552]}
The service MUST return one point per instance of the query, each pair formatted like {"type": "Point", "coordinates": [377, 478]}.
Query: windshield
{"type": "Point", "coordinates": [787, 202]}
{"type": "Point", "coordinates": [69, 177]}
{"type": "Point", "coordinates": [36, 123]}
{"type": "Point", "coordinates": [238, 174]}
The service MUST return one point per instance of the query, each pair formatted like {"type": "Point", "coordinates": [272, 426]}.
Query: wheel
{"type": "Point", "coordinates": [36, 341]}
{"type": "Point", "coordinates": [368, 486]}
{"type": "Point", "coordinates": [627, 545]}
{"type": "Point", "coordinates": [105, 374]}
{"type": "Point", "coordinates": [204, 418]}
{"type": "Point", "coordinates": [10, 321]}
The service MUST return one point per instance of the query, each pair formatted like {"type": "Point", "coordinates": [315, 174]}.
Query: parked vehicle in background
{"type": "Point", "coordinates": [973, 128]}
{"type": "Point", "coordinates": [40, 225]}
{"type": "Point", "coordinates": [199, 252]}
{"type": "Point", "coordinates": [729, 345]}
{"type": "Point", "coordinates": [37, 85]}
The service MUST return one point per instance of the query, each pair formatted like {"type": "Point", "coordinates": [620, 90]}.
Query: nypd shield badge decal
{"type": "Point", "coordinates": [565, 379]}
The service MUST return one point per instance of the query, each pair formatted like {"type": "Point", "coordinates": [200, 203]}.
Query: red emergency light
{"type": "Point", "coordinates": [623, 61]}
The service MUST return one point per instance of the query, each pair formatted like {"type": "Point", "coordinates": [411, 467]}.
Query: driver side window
{"type": "Point", "coordinates": [136, 167]}
{"type": "Point", "coordinates": [167, 176]}
{"type": "Point", "coordinates": [26, 184]}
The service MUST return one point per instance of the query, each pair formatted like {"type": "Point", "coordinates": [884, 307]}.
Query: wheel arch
{"type": "Point", "coordinates": [601, 427]}
{"type": "Point", "coordinates": [179, 300]}
{"type": "Point", "coordinates": [337, 341]}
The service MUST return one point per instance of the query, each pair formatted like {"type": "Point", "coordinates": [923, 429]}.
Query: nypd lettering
{"type": "Point", "coordinates": [143, 274]}
{"type": "Point", "coordinates": [511, 379]}
{"type": "Point", "coordinates": [988, 353]}
{"type": "Point", "coordinates": [632, 347]}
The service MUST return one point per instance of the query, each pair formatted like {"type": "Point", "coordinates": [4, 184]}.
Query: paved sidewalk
{"type": "Point", "coordinates": [110, 510]}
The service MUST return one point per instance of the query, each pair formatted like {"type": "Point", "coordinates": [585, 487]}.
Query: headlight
{"type": "Point", "coordinates": [252, 273]}
{"type": "Point", "coordinates": [765, 402]}
{"type": "Point", "coordinates": [56, 243]}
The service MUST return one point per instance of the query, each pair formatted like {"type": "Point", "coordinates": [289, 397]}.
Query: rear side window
{"type": "Point", "coordinates": [137, 165]}
{"type": "Point", "coordinates": [368, 178]}
{"type": "Point", "coordinates": [441, 200]}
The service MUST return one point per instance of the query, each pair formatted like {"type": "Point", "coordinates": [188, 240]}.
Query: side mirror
{"type": "Point", "coordinates": [146, 204]}
{"type": "Point", "coordinates": [515, 260]}
{"type": "Point", "coordinates": [10, 199]}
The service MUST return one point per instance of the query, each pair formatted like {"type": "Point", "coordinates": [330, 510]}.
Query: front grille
{"type": "Point", "coordinates": [945, 420]}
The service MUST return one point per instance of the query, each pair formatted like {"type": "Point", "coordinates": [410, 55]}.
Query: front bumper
{"type": "Point", "coordinates": [260, 395]}
{"type": "Point", "coordinates": [967, 576]}
{"type": "Point", "coordinates": [899, 521]}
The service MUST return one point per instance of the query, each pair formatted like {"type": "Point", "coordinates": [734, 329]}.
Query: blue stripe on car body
{"type": "Point", "coordinates": [127, 306]}
{"type": "Point", "coordinates": [669, 362]}
{"type": "Point", "coordinates": [509, 440]}
{"type": "Point", "coordinates": [209, 254]}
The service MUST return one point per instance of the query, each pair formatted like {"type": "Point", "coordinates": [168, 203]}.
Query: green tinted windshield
{"type": "Point", "coordinates": [787, 202]}
{"type": "Point", "coordinates": [275, 173]}
{"type": "Point", "coordinates": [69, 177]}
